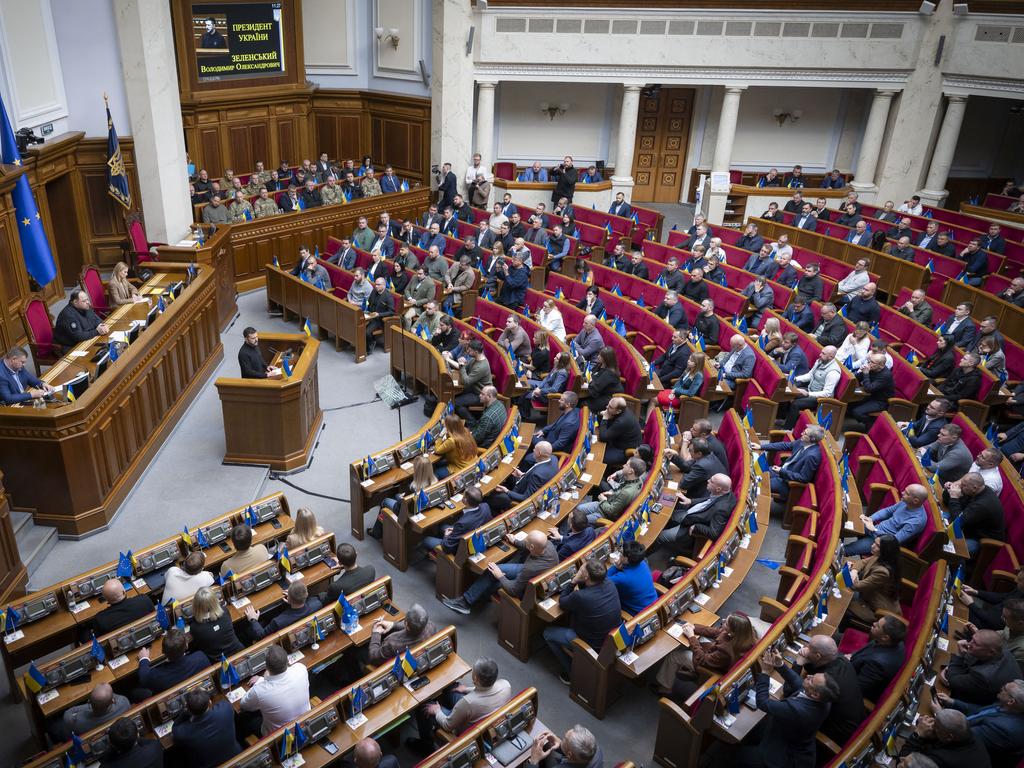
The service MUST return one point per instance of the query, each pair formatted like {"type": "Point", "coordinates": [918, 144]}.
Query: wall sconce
{"type": "Point", "coordinates": [781, 117]}
{"type": "Point", "coordinates": [553, 109]}
{"type": "Point", "coordinates": [391, 36]}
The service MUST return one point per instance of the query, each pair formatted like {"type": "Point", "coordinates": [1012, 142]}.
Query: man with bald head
{"type": "Point", "coordinates": [120, 609]}
{"type": "Point", "coordinates": [619, 430]}
{"type": "Point", "coordinates": [980, 668]}
{"type": "Point", "coordinates": [486, 429]}
{"type": "Point", "coordinates": [819, 382]}
{"type": "Point", "coordinates": [979, 510]}
{"type": "Point", "coordinates": [821, 655]}
{"type": "Point", "coordinates": [738, 362]}
{"type": "Point", "coordinates": [367, 754]}
{"type": "Point", "coordinates": [905, 520]}
{"type": "Point", "coordinates": [527, 483]}
{"type": "Point", "coordinates": [878, 386]}
{"type": "Point", "coordinates": [946, 740]}
{"type": "Point", "coordinates": [704, 517]}
{"type": "Point", "coordinates": [103, 706]}
{"type": "Point", "coordinates": [917, 308]}
{"type": "Point", "coordinates": [1000, 726]}
{"type": "Point", "coordinates": [541, 556]}
{"type": "Point", "coordinates": [588, 342]}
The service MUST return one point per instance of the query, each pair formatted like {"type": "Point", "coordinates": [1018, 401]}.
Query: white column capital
{"type": "Point", "coordinates": [737, 89]}
{"type": "Point", "coordinates": [490, 84]}
{"type": "Point", "coordinates": [884, 94]}
{"type": "Point", "coordinates": [633, 87]}
{"type": "Point", "coordinates": [957, 98]}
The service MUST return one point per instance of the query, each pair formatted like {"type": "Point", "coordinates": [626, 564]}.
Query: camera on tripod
{"type": "Point", "coordinates": [24, 137]}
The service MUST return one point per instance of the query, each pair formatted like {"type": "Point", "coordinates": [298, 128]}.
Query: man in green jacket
{"type": "Point", "coordinates": [419, 291]}
{"type": "Point", "coordinates": [611, 504]}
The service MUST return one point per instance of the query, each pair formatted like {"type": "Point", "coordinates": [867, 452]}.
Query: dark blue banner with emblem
{"type": "Point", "coordinates": [34, 245]}
{"type": "Point", "coordinates": [117, 176]}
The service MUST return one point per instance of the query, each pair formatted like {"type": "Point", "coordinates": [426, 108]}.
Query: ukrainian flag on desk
{"type": "Point", "coordinates": [406, 663]}
{"type": "Point", "coordinates": [476, 544]}
{"type": "Point", "coordinates": [284, 560]}
{"type": "Point", "coordinates": [35, 680]}
{"type": "Point", "coordinates": [9, 620]}
{"type": "Point", "coordinates": [228, 676]}
{"type": "Point", "coordinates": [34, 246]}
{"type": "Point", "coordinates": [308, 330]}
{"type": "Point", "coordinates": [622, 637]}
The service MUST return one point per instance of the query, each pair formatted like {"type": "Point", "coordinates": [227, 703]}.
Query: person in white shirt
{"type": "Point", "coordinates": [475, 168]}
{"type": "Point", "coordinates": [912, 206]}
{"type": "Point", "coordinates": [986, 464]}
{"type": "Point", "coordinates": [856, 345]}
{"type": "Point", "coordinates": [497, 218]}
{"type": "Point", "coordinates": [852, 283]}
{"type": "Point", "coordinates": [487, 693]}
{"type": "Point", "coordinates": [181, 583]}
{"type": "Point", "coordinates": [281, 696]}
{"type": "Point", "coordinates": [550, 318]}
{"type": "Point", "coordinates": [715, 249]}
{"type": "Point", "coordinates": [783, 247]}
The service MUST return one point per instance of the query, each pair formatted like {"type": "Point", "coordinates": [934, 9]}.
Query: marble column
{"type": "Point", "coordinates": [151, 83]}
{"type": "Point", "coordinates": [871, 144]}
{"type": "Point", "coordinates": [934, 192]}
{"type": "Point", "coordinates": [485, 122]}
{"type": "Point", "coordinates": [451, 87]}
{"type": "Point", "coordinates": [714, 202]}
{"type": "Point", "coordinates": [622, 181]}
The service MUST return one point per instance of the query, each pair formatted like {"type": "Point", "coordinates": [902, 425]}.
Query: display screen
{"type": "Point", "coordinates": [234, 41]}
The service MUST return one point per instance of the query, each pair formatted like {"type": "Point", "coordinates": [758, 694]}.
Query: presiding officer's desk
{"type": "Point", "coordinates": [274, 421]}
{"type": "Point", "coordinates": [72, 464]}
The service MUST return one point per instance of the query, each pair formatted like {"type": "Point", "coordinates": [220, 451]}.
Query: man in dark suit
{"type": "Point", "coordinates": [806, 218]}
{"type": "Point", "coordinates": [671, 363]}
{"type": "Point", "coordinates": [120, 609]}
{"type": "Point", "coordinates": [925, 430]}
{"type": "Point", "coordinates": [943, 245]}
{"type": "Point", "coordinates": [790, 357]}
{"type": "Point", "coordinates": [447, 187]}
{"type": "Point", "coordinates": [739, 362]}
{"type": "Point", "coordinates": [751, 240]}
{"type": "Point", "coordinates": [783, 270]}
{"type": "Point", "coordinates": [704, 517]}
{"type": "Point", "coordinates": [794, 204]}
{"type": "Point", "coordinates": [637, 267]}
{"type": "Point", "coordinates": [821, 655]}
{"type": "Point", "coordinates": [702, 468]}
{"type": "Point", "coordinates": [760, 262]}
{"type": "Point", "coordinates": [877, 383]}
{"type": "Point", "coordinates": [17, 385]}
{"type": "Point", "coordinates": [620, 207]}
{"type": "Point", "coordinates": [352, 577]}
{"type": "Point", "coordinates": [78, 321]}
{"type": "Point", "coordinates": [789, 739]}
{"type": "Point", "coordinates": [803, 462]}
{"type": "Point", "coordinates": [311, 195]}
{"type": "Point", "coordinates": [831, 330]}
{"type": "Point", "coordinates": [129, 751]}
{"type": "Point", "coordinates": [965, 380]}
{"type": "Point", "coordinates": [562, 432]}
{"type": "Point", "coordinates": [431, 216]}
{"type": "Point", "coordinates": [475, 513]}
{"type": "Point", "coordinates": [619, 430]}
{"type": "Point", "coordinates": [367, 754]}
{"type": "Point", "coordinates": [672, 312]}
{"type": "Point", "coordinates": [960, 326]}
{"type": "Point", "coordinates": [701, 236]}
{"type": "Point", "coordinates": [927, 238]}
{"type": "Point", "coordinates": [345, 256]}
{"type": "Point", "coordinates": [177, 665]}
{"type": "Point", "coordinates": [999, 726]}
{"type": "Point", "coordinates": [979, 509]}
{"type": "Point", "coordinates": [298, 605]}
{"type": "Point", "coordinates": [383, 243]}
{"type": "Point", "coordinates": [901, 230]}
{"type": "Point", "coordinates": [980, 668]}
{"type": "Point", "coordinates": [799, 314]}
{"type": "Point", "coordinates": [536, 477]}
{"type": "Point", "coordinates": [205, 737]}
{"type": "Point", "coordinates": [946, 740]}
{"type": "Point", "coordinates": [993, 242]}
{"type": "Point", "coordinates": [878, 662]}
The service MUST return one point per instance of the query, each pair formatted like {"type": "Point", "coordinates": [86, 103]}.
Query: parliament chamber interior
{"type": "Point", "coordinates": [465, 383]}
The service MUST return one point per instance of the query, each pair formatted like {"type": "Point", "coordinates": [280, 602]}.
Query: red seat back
{"type": "Point", "coordinates": [40, 326]}
{"type": "Point", "coordinates": [505, 171]}
{"type": "Point", "coordinates": [93, 285]}
{"type": "Point", "coordinates": [140, 243]}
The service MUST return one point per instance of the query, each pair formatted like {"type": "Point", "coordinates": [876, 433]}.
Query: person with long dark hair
{"type": "Point", "coordinates": [940, 363]}
{"type": "Point", "coordinates": [605, 380]}
{"type": "Point", "coordinates": [876, 580]}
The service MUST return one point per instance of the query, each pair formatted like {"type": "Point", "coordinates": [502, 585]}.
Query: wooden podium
{"type": "Point", "coordinates": [274, 421]}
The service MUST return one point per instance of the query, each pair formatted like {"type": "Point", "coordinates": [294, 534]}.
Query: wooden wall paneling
{"type": "Point", "coordinates": [400, 128]}
{"type": "Point", "coordinates": [13, 574]}
{"type": "Point", "coordinates": [103, 217]}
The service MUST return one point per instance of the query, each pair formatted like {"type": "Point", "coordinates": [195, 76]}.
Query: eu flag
{"type": "Point", "coordinates": [117, 176]}
{"type": "Point", "coordinates": [34, 245]}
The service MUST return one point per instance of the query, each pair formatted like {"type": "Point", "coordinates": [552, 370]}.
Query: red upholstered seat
{"type": "Point", "coordinates": [505, 171]}
{"type": "Point", "coordinates": [93, 285]}
{"type": "Point", "coordinates": [140, 247]}
{"type": "Point", "coordinates": [39, 328]}
{"type": "Point", "coordinates": [735, 177]}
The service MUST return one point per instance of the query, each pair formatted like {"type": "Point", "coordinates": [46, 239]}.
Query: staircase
{"type": "Point", "coordinates": [34, 541]}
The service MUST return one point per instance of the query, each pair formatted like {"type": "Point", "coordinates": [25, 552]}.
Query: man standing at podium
{"type": "Point", "coordinates": [250, 359]}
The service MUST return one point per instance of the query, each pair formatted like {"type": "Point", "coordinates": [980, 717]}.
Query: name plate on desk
{"type": "Point", "coordinates": [356, 721]}
{"type": "Point", "coordinates": [294, 761]}
{"type": "Point", "coordinates": [235, 694]}
{"type": "Point", "coordinates": [477, 557]}
{"type": "Point", "coordinates": [725, 722]}
{"type": "Point", "coordinates": [848, 525]}
{"type": "Point", "coordinates": [585, 477]}
{"type": "Point", "coordinates": [367, 483]}
{"type": "Point", "coordinates": [406, 465]}
{"type": "Point", "coordinates": [419, 516]}
{"type": "Point", "coordinates": [240, 603]}
{"type": "Point", "coordinates": [508, 459]}
{"type": "Point", "coordinates": [293, 577]}
{"type": "Point", "coordinates": [628, 658]}
{"type": "Point", "coordinates": [548, 604]}
{"type": "Point", "coordinates": [456, 498]}
{"type": "Point", "coordinates": [485, 479]}
{"type": "Point", "coordinates": [79, 607]}
{"type": "Point", "coordinates": [590, 457]}
{"type": "Point", "coordinates": [163, 729]}
{"type": "Point", "coordinates": [942, 644]}
{"type": "Point", "coordinates": [118, 661]}
{"type": "Point", "coordinates": [672, 485]}
{"type": "Point", "coordinates": [14, 637]}
{"type": "Point", "coordinates": [46, 696]}
{"type": "Point", "coordinates": [702, 599]}
{"type": "Point", "coordinates": [676, 630]}
{"type": "Point", "coordinates": [139, 583]}
{"type": "Point", "coordinates": [295, 656]}
{"type": "Point", "coordinates": [745, 542]}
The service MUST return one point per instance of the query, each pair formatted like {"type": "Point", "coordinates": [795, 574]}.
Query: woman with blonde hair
{"type": "Point", "coordinates": [856, 345]}
{"type": "Point", "coordinates": [211, 628]}
{"type": "Point", "coordinates": [457, 450]}
{"type": "Point", "coordinates": [422, 477]}
{"type": "Point", "coordinates": [771, 335]}
{"type": "Point", "coordinates": [305, 529]}
{"type": "Point", "coordinates": [550, 318]}
{"type": "Point", "coordinates": [120, 290]}
{"type": "Point", "coordinates": [540, 356]}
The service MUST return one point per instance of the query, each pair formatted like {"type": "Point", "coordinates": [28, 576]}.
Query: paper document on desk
{"type": "Point", "coordinates": [78, 353]}
{"type": "Point", "coordinates": [118, 336]}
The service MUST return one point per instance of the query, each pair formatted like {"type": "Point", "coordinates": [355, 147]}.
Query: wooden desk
{"type": "Point", "coordinates": [274, 421]}
{"type": "Point", "coordinates": [71, 465]}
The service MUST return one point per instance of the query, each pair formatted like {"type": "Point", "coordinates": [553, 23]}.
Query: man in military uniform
{"type": "Point", "coordinates": [229, 179]}
{"type": "Point", "coordinates": [215, 213]}
{"type": "Point", "coordinates": [266, 206]}
{"type": "Point", "coordinates": [258, 179]}
{"type": "Point", "coordinates": [240, 209]}
{"type": "Point", "coordinates": [371, 187]}
{"type": "Point", "coordinates": [77, 321]}
{"type": "Point", "coordinates": [331, 193]}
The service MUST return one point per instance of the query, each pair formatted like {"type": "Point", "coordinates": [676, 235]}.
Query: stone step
{"type": "Point", "coordinates": [34, 543]}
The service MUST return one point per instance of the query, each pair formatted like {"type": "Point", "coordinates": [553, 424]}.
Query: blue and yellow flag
{"type": "Point", "coordinates": [345, 611]}
{"type": "Point", "coordinates": [284, 560]}
{"type": "Point", "coordinates": [307, 329]}
{"type": "Point", "coordinates": [117, 176]}
{"type": "Point", "coordinates": [34, 246]}
{"type": "Point", "coordinates": [846, 576]}
{"type": "Point", "coordinates": [748, 418]}
{"type": "Point", "coordinates": [286, 367]}
{"type": "Point", "coordinates": [761, 465]}
{"type": "Point", "coordinates": [404, 186]}
{"type": "Point", "coordinates": [622, 637]}
{"type": "Point", "coordinates": [35, 680]}
{"type": "Point", "coordinates": [409, 665]}
{"type": "Point", "coordinates": [9, 620]}
{"type": "Point", "coordinates": [317, 630]}
{"type": "Point", "coordinates": [186, 536]}
{"type": "Point", "coordinates": [476, 544]}
{"type": "Point", "coordinates": [228, 676]}
{"type": "Point", "coordinates": [287, 744]}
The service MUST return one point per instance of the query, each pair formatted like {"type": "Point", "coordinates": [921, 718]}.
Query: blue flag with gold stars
{"type": "Point", "coordinates": [34, 245]}
{"type": "Point", "coordinates": [117, 176]}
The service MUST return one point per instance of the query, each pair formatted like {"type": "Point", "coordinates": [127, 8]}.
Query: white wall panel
{"type": "Point", "coordinates": [30, 75]}
{"type": "Point", "coordinates": [329, 36]}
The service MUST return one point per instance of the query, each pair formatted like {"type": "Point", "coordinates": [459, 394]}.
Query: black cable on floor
{"type": "Point", "coordinates": [281, 479]}
{"type": "Point", "coordinates": [351, 405]}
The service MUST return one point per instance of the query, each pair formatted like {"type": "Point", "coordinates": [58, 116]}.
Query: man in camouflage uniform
{"type": "Point", "coordinates": [331, 193]}
{"type": "Point", "coordinates": [258, 178]}
{"type": "Point", "coordinates": [371, 187]}
{"type": "Point", "coordinates": [266, 206]}
{"type": "Point", "coordinates": [240, 209]}
{"type": "Point", "coordinates": [229, 180]}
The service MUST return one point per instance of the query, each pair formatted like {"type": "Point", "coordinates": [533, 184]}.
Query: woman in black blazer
{"type": "Point", "coordinates": [940, 363]}
{"type": "Point", "coordinates": [605, 381]}
{"type": "Point", "coordinates": [590, 303]}
{"type": "Point", "coordinates": [211, 628]}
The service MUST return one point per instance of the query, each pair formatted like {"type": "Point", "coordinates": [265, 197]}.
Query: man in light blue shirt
{"type": "Point", "coordinates": [905, 520]}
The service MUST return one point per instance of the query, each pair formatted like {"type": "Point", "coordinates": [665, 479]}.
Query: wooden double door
{"type": "Point", "coordinates": [662, 134]}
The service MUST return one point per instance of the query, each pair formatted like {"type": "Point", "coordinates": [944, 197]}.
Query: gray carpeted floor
{"type": "Point", "coordinates": [186, 483]}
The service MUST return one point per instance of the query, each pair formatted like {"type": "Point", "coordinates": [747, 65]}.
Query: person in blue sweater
{"type": "Point", "coordinates": [632, 579]}
{"type": "Point", "coordinates": [905, 520]}
{"type": "Point", "coordinates": [579, 535]}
